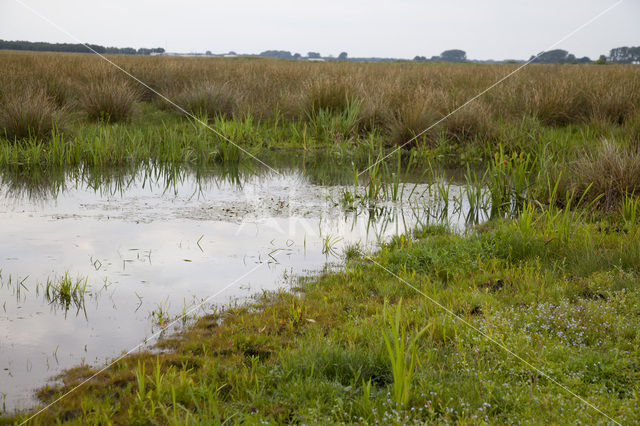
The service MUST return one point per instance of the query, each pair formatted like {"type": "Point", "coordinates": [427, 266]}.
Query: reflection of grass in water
{"type": "Point", "coordinates": [36, 183]}
{"type": "Point", "coordinates": [66, 292]}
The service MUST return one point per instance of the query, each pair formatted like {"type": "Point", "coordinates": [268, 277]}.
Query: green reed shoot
{"type": "Point", "coordinates": [629, 209]}
{"type": "Point", "coordinates": [402, 355]}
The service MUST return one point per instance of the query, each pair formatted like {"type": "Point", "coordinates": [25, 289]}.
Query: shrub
{"type": "Point", "coordinates": [110, 100]}
{"type": "Point", "coordinates": [210, 99]}
{"type": "Point", "coordinates": [30, 114]}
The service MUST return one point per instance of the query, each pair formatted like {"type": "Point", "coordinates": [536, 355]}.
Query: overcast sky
{"type": "Point", "coordinates": [400, 28]}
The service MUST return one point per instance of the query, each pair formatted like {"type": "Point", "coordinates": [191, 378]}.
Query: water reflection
{"type": "Point", "coordinates": [94, 261]}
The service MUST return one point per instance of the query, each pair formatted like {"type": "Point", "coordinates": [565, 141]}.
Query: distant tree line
{"type": "Point", "coordinates": [558, 56]}
{"type": "Point", "coordinates": [74, 47]}
{"type": "Point", "coordinates": [453, 55]}
{"type": "Point", "coordinates": [285, 54]}
{"type": "Point", "coordinates": [281, 54]}
{"type": "Point", "coordinates": [625, 55]}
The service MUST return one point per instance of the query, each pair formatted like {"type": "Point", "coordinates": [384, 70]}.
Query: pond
{"type": "Point", "coordinates": [146, 247]}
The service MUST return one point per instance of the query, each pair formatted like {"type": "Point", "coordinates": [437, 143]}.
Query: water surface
{"type": "Point", "coordinates": [152, 245]}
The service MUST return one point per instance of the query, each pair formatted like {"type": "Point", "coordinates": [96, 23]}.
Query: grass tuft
{"type": "Point", "coordinates": [109, 101]}
{"type": "Point", "coordinates": [612, 171]}
{"type": "Point", "coordinates": [209, 99]}
{"type": "Point", "coordinates": [334, 96]}
{"type": "Point", "coordinates": [30, 115]}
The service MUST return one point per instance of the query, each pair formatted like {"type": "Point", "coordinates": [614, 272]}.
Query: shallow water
{"type": "Point", "coordinates": [151, 244]}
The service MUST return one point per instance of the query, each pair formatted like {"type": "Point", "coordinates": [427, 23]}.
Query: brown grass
{"type": "Point", "coordinates": [110, 100]}
{"type": "Point", "coordinates": [209, 99]}
{"type": "Point", "coordinates": [613, 171]}
{"type": "Point", "coordinates": [397, 99]}
{"type": "Point", "coordinates": [332, 94]}
{"type": "Point", "coordinates": [31, 114]}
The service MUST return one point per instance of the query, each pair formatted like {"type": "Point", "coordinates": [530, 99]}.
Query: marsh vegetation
{"type": "Point", "coordinates": [546, 263]}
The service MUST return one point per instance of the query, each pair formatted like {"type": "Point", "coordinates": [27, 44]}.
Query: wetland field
{"type": "Point", "coordinates": [308, 242]}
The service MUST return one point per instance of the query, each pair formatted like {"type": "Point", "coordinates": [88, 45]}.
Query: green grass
{"type": "Point", "coordinates": [66, 293]}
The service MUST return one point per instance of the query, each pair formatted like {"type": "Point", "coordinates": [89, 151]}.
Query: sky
{"type": "Point", "coordinates": [489, 29]}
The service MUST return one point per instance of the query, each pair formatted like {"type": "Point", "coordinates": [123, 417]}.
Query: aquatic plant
{"type": "Point", "coordinates": [508, 180]}
{"type": "Point", "coordinates": [66, 292]}
{"type": "Point", "coordinates": [329, 244]}
{"type": "Point", "coordinates": [352, 251]}
{"type": "Point", "coordinates": [160, 314]}
{"type": "Point", "coordinates": [335, 126]}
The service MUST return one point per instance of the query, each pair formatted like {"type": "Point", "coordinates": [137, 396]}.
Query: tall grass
{"type": "Point", "coordinates": [111, 100]}
{"type": "Point", "coordinates": [402, 355]}
{"type": "Point", "coordinates": [209, 99]}
{"type": "Point", "coordinates": [332, 95]}
{"type": "Point", "coordinates": [398, 99]}
{"type": "Point", "coordinates": [612, 170]}
{"type": "Point", "coordinates": [31, 114]}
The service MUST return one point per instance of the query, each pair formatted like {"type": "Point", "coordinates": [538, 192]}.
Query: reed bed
{"type": "Point", "coordinates": [393, 95]}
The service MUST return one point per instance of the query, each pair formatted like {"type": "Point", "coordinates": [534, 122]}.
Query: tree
{"type": "Point", "coordinates": [297, 56]}
{"type": "Point", "coordinates": [68, 47]}
{"type": "Point", "coordinates": [313, 55]}
{"type": "Point", "coordinates": [601, 60]}
{"type": "Point", "coordinates": [557, 56]}
{"type": "Point", "coordinates": [453, 55]}
{"type": "Point", "coordinates": [625, 55]}
{"type": "Point", "coordinates": [420, 58]}
{"type": "Point", "coordinates": [342, 56]}
{"type": "Point", "coordinates": [282, 54]}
